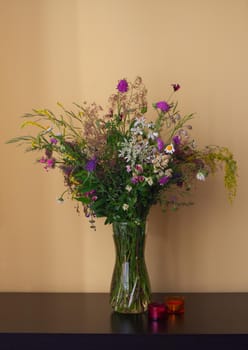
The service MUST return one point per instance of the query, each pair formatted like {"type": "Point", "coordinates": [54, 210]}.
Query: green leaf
{"type": "Point", "coordinates": [84, 200]}
{"type": "Point", "coordinates": [29, 122]}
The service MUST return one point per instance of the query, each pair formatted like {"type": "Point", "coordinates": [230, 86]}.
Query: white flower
{"type": "Point", "coordinates": [134, 151]}
{"type": "Point", "coordinates": [150, 125]}
{"type": "Point", "coordinates": [168, 172]}
{"type": "Point", "coordinates": [140, 121]}
{"type": "Point", "coordinates": [194, 144]}
{"type": "Point", "coordinates": [152, 135]}
{"type": "Point", "coordinates": [137, 131]}
{"type": "Point", "coordinates": [149, 180]}
{"type": "Point", "coordinates": [48, 129]}
{"type": "Point", "coordinates": [200, 176]}
{"type": "Point", "coordinates": [60, 200]}
{"type": "Point", "coordinates": [125, 206]}
{"type": "Point", "coordinates": [128, 188]}
{"type": "Point", "coordinates": [160, 162]}
{"type": "Point", "coordinates": [164, 160]}
{"type": "Point", "coordinates": [169, 149]}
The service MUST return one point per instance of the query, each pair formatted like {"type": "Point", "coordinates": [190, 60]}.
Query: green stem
{"type": "Point", "coordinates": [130, 286]}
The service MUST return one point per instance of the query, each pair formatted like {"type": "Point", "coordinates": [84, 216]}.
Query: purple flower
{"type": "Point", "coordinates": [160, 144]}
{"type": "Point", "coordinates": [163, 106]}
{"type": "Point", "coordinates": [177, 177]}
{"type": "Point", "coordinates": [91, 165]}
{"type": "Point", "coordinates": [48, 153]}
{"type": "Point", "coordinates": [135, 180]}
{"type": "Point", "coordinates": [176, 140]}
{"type": "Point", "coordinates": [175, 87]}
{"type": "Point", "coordinates": [67, 169]}
{"type": "Point", "coordinates": [53, 141]}
{"type": "Point", "coordinates": [163, 180]}
{"type": "Point", "coordinates": [122, 85]}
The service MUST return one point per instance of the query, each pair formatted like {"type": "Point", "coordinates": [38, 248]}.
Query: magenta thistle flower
{"type": "Point", "coordinates": [160, 144]}
{"type": "Point", "coordinates": [91, 165]}
{"type": "Point", "coordinates": [53, 141]}
{"type": "Point", "coordinates": [163, 180]}
{"type": "Point", "coordinates": [163, 106]}
{"type": "Point", "coordinates": [122, 86]}
{"type": "Point", "coordinates": [50, 162]}
{"type": "Point", "coordinates": [176, 140]}
{"type": "Point", "coordinates": [175, 87]}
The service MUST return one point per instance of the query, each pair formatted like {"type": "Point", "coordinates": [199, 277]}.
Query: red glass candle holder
{"type": "Point", "coordinates": [156, 311]}
{"type": "Point", "coordinates": [174, 305]}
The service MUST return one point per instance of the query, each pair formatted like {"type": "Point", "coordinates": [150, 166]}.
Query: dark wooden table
{"type": "Point", "coordinates": [85, 321]}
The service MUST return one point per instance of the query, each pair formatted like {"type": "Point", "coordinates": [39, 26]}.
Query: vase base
{"type": "Point", "coordinates": [135, 310]}
{"type": "Point", "coordinates": [128, 312]}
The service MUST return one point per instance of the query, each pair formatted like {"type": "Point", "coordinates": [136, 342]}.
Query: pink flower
{"type": "Point", "coordinates": [141, 178]}
{"type": "Point", "coordinates": [89, 193]}
{"type": "Point", "coordinates": [50, 163]}
{"type": "Point", "coordinates": [128, 168]}
{"type": "Point", "coordinates": [136, 179]}
{"type": "Point", "coordinates": [42, 160]}
{"type": "Point", "coordinates": [139, 168]}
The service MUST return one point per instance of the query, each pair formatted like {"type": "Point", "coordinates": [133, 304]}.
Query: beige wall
{"type": "Point", "coordinates": [72, 50]}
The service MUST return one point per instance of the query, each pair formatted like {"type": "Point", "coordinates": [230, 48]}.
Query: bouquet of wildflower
{"type": "Point", "coordinates": [116, 163]}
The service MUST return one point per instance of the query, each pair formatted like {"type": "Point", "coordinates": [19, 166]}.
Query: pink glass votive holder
{"type": "Point", "coordinates": [156, 311]}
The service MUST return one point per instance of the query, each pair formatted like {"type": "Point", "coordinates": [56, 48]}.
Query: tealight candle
{"type": "Point", "coordinates": [174, 305]}
{"type": "Point", "coordinates": [156, 311]}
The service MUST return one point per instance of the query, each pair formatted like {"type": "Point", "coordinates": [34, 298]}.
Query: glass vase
{"type": "Point", "coordinates": [130, 286]}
